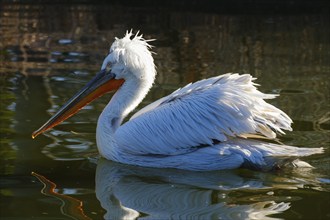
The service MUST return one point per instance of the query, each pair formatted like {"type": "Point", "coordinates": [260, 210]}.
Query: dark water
{"type": "Point", "coordinates": [48, 52]}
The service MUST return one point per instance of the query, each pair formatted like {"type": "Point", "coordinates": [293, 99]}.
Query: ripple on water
{"type": "Point", "coordinates": [69, 146]}
{"type": "Point", "coordinates": [65, 41]}
{"type": "Point", "coordinates": [59, 78]}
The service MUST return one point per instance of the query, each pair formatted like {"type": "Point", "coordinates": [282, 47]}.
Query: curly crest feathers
{"type": "Point", "coordinates": [132, 53]}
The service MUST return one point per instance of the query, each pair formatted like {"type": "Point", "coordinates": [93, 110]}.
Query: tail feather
{"type": "Point", "coordinates": [269, 156]}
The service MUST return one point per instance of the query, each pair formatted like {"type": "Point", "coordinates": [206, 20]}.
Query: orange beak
{"type": "Point", "coordinates": [102, 83]}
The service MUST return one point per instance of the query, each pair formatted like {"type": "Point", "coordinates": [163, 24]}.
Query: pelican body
{"type": "Point", "coordinates": [206, 125]}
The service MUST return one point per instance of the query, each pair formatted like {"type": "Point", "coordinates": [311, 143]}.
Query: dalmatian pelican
{"type": "Point", "coordinates": [211, 124]}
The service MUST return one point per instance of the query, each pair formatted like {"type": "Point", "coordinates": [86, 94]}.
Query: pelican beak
{"type": "Point", "coordinates": [102, 83]}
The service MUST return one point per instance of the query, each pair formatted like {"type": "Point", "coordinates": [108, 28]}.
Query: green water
{"type": "Point", "coordinates": [48, 52]}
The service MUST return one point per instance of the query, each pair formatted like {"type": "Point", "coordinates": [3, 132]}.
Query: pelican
{"type": "Point", "coordinates": [207, 125]}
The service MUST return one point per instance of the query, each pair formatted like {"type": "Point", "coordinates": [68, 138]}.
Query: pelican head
{"type": "Point", "coordinates": [129, 64]}
{"type": "Point", "coordinates": [130, 57]}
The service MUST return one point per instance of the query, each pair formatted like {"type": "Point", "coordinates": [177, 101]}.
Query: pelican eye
{"type": "Point", "coordinates": [108, 67]}
{"type": "Point", "coordinates": [109, 72]}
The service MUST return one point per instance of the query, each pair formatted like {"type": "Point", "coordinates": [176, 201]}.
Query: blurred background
{"type": "Point", "coordinates": [50, 49]}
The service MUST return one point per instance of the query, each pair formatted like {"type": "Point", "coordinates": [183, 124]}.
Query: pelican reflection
{"type": "Point", "coordinates": [129, 192]}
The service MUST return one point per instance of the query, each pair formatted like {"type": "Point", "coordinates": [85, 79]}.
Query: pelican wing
{"type": "Point", "coordinates": [200, 113]}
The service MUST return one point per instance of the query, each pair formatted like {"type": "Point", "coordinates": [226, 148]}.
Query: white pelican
{"type": "Point", "coordinates": [206, 125]}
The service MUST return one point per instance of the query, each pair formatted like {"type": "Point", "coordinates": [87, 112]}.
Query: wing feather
{"type": "Point", "coordinates": [199, 113]}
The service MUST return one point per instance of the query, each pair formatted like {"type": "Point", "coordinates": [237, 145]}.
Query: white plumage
{"type": "Point", "coordinates": [205, 125]}
{"type": "Point", "coordinates": [202, 126]}
{"type": "Point", "coordinates": [212, 109]}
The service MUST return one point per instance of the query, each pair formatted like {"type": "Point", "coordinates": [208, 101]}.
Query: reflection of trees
{"type": "Point", "coordinates": [288, 53]}
{"type": "Point", "coordinates": [7, 107]}
{"type": "Point", "coordinates": [202, 43]}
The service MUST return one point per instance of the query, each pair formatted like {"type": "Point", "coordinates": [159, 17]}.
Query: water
{"type": "Point", "coordinates": [48, 52]}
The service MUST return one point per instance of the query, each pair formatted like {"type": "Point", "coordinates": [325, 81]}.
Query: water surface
{"type": "Point", "coordinates": [48, 52]}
